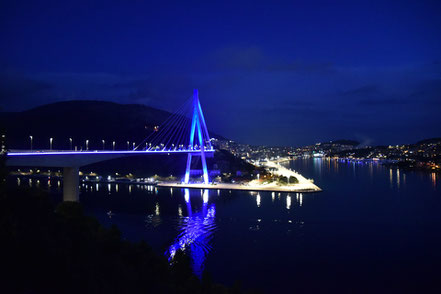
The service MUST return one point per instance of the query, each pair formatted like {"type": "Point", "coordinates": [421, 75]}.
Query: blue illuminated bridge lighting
{"type": "Point", "coordinates": [184, 132]}
{"type": "Point", "coordinates": [63, 152]}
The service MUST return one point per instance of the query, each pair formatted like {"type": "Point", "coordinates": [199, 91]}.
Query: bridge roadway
{"type": "Point", "coordinates": [71, 161]}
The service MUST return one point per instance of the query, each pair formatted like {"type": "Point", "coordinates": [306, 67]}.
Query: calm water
{"type": "Point", "coordinates": [371, 229]}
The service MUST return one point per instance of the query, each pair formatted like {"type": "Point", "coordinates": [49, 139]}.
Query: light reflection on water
{"type": "Point", "coordinates": [220, 228]}
{"type": "Point", "coordinates": [372, 170]}
{"type": "Point", "coordinates": [195, 232]}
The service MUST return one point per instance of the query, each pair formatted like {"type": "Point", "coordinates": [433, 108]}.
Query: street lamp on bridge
{"type": "Point", "coordinates": [128, 145]}
{"type": "Point", "coordinates": [70, 143]}
{"type": "Point", "coordinates": [50, 143]}
{"type": "Point", "coordinates": [30, 137]}
{"type": "Point", "coordinates": [113, 143]}
{"type": "Point", "coordinates": [104, 142]}
{"type": "Point", "coordinates": [87, 145]}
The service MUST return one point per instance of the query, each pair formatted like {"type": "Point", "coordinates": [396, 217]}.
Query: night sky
{"type": "Point", "coordinates": [274, 73]}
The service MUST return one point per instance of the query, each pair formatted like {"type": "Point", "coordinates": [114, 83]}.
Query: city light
{"type": "Point", "coordinates": [299, 97]}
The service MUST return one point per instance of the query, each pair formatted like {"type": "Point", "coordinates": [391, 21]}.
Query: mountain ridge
{"type": "Point", "coordinates": [81, 120]}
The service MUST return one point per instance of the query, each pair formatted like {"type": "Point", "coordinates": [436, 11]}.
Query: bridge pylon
{"type": "Point", "coordinates": [198, 129]}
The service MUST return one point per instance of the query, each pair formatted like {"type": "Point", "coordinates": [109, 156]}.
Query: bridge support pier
{"type": "Point", "coordinates": [71, 183]}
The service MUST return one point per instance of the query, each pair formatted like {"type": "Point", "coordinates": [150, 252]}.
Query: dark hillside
{"type": "Point", "coordinates": [96, 121]}
{"type": "Point", "coordinates": [81, 120]}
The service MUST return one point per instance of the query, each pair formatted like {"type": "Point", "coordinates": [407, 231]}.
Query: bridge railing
{"type": "Point", "coordinates": [52, 151]}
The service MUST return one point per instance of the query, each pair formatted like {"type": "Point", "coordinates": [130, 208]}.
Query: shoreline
{"type": "Point", "coordinates": [216, 186]}
{"type": "Point", "coordinates": [303, 186]}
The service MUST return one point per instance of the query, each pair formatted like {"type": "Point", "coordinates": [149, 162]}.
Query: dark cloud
{"type": "Point", "coordinates": [293, 107]}
{"type": "Point", "coordinates": [428, 91]}
{"type": "Point", "coordinates": [243, 97]}
{"type": "Point", "coordinates": [368, 90]}
{"type": "Point", "coordinates": [166, 91]}
{"type": "Point", "coordinates": [302, 67]}
{"type": "Point", "coordinates": [415, 92]}
{"type": "Point", "coordinates": [14, 86]}
{"type": "Point", "coordinates": [382, 102]}
{"type": "Point", "coordinates": [253, 58]}
{"type": "Point", "coordinates": [237, 58]}
{"type": "Point", "coordinates": [17, 89]}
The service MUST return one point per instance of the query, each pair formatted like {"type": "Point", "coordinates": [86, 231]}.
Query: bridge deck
{"type": "Point", "coordinates": [65, 158]}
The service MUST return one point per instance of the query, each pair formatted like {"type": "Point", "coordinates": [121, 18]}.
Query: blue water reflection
{"type": "Point", "coordinates": [196, 232]}
{"type": "Point", "coordinates": [370, 222]}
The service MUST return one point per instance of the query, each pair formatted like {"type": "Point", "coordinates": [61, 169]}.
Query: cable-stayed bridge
{"type": "Point", "coordinates": [184, 132]}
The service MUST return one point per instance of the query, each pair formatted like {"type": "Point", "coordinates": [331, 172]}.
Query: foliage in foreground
{"type": "Point", "coordinates": [47, 250]}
